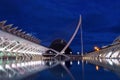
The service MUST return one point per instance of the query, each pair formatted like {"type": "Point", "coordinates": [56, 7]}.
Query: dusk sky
{"type": "Point", "coordinates": [57, 19]}
{"type": "Point", "coordinates": [52, 19]}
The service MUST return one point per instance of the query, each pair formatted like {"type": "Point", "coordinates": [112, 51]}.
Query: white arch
{"type": "Point", "coordinates": [73, 36]}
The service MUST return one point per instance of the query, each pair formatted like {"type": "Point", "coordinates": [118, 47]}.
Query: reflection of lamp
{"type": "Point", "coordinates": [97, 68]}
{"type": "Point", "coordinates": [13, 65]}
{"type": "Point", "coordinates": [63, 63]}
{"type": "Point", "coordinates": [78, 53]}
{"type": "Point", "coordinates": [71, 63]}
{"type": "Point", "coordinates": [78, 62]}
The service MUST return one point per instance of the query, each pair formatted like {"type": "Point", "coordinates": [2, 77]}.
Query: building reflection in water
{"type": "Point", "coordinates": [18, 70]}
{"type": "Point", "coordinates": [14, 70]}
{"type": "Point", "coordinates": [112, 65]}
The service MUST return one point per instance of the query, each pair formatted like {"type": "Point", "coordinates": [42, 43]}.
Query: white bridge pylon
{"type": "Point", "coordinates": [71, 39]}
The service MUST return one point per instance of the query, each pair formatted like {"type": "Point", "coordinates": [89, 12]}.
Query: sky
{"type": "Point", "coordinates": [52, 19]}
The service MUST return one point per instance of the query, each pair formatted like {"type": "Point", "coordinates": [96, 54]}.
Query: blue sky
{"type": "Point", "coordinates": [52, 19]}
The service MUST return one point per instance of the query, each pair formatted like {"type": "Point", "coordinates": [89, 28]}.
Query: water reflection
{"type": "Point", "coordinates": [18, 70]}
{"type": "Point", "coordinates": [14, 70]}
{"type": "Point", "coordinates": [112, 65]}
{"type": "Point", "coordinates": [60, 69]}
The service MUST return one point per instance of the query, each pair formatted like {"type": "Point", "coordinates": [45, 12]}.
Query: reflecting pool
{"type": "Point", "coordinates": [93, 69]}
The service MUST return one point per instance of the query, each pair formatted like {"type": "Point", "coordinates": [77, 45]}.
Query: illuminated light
{"type": "Point", "coordinates": [7, 66]}
{"type": "Point", "coordinates": [26, 64]}
{"type": "Point", "coordinates": [78, 62]}
{"type": "Point", "coordinates": [70, 52]}
{"type": "Point", "coordinates": [96, 48]}
{"type": "Point", "coordinates": [22, 64]}
{"type": "Point", "coordinates": [18, 65]}
{"type": "Point", "coordinates": [63, 63]}
{"type": "Point", "coordinates": [43, 63]}
{"type": "Point", "coordinates": [78, 53]}
{"type": "Point", "coordinates": [100, 60]}
{"type": "Point", "coordinates": [40, 62]}
{"type": "Point", "coordinates": [31, 63]}
{"type": "Point", "coordinates": [97, 68]}
{"type": "Point", "coordinates": [1, 68]}
{"type": "Point", "coordinates": [13, 65]}
{"type": "Point", "coordinates": [71, 63]}
{"type": "Point", "coordinates": [50, 63]}
{"type": "Point", "coordinates": [63, 52]}
{"type": "Point", "coordinates": [100, 55]}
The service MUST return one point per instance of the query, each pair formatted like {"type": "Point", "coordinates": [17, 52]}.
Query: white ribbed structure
{"type": "Point", "coordinates": [111, 51]}
{"type": "Point", "coordinates": [17, 42]}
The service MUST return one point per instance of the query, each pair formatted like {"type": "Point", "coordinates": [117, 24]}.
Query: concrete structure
{"type": "Point", "coordinates": [21, 54]}
{"type": "Point", "coordinates": [17, 44]}
{"type": "Point", "coordinates": [110, 51]}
